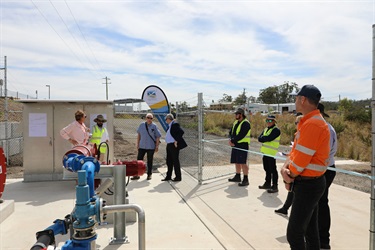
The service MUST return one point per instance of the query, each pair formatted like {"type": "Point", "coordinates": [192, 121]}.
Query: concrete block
{"type": "Point", "coordinates": [6, 209]}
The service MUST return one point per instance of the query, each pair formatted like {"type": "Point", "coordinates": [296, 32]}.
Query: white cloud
{"type": "Point", "coordinates": [186, 47]}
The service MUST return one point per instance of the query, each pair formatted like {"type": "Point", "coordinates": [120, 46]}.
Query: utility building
{"type": "Point", "coordinates": [44, 148]}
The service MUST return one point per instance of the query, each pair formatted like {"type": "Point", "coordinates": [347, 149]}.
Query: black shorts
{"type": "Point", "coordinates": [239, 156]}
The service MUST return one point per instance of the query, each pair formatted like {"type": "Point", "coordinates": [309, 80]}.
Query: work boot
{"type": "Point", "coordinates": [281, 211]}
{"type": "Point", "coordinates": [266, 185]}
{"type": "Point", "coordinates": [236, 178]}
{"type": "Point", "coordinates": [245, 182]}
{"type": "Point", "coordinates": [273, 189]}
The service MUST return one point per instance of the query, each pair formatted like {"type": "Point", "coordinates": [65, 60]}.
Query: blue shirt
{"type": "Point", "coordinates": [146, 142]}
{"type": "Point", "coordinates": [168, 137]}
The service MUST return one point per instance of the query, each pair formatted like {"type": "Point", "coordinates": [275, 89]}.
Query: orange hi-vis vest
{"type": "Point", "coordinates": [310, 153]}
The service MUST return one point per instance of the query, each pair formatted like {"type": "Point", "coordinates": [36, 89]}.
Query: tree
{"type": "Point", "coordinates": [278, 94]}
{"type": "Point", "coordinates": [183, 106]}
{"type": "Point", "coordinates": [226, 98]}
{"type": "Point", "coordinates": [241, 98]}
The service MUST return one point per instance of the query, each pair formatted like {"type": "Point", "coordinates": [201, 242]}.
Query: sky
{"type": "Point", "coordinates": [185, 48]}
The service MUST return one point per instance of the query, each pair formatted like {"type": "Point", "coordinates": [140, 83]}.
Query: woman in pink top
{"type": "Point", "coordinates": [76, 132]}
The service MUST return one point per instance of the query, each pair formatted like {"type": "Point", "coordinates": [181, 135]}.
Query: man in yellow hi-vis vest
{"type": "Point", "coordinates": [270, 137]}
{"type": "Point", "coordinates": [239, 141]}
{"type": "Point", "coordinates": [99, 135]}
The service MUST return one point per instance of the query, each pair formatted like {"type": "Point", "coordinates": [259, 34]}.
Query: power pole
{"type": "Point", "coordinates": [106, 85]}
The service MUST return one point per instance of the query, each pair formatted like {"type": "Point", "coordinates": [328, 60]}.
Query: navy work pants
{"type": "Point", "coordinates": [324, 217]}
{"type": "Point", "coordinates": [269, 165]}
{"type": "Point", "coordinates": [302, 230]}
{"type": "Point", "coordinates": [173, 161]}
{"type": "Point", "coordinates": [150, 158]}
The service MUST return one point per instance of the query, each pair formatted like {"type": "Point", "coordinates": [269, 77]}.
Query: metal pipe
{"type": "Point", "coordinates": [141, 219]}
{"type": "Point", "coordinates": [119, 199]}
{"type": "Point", "coordinates": [104, 186]}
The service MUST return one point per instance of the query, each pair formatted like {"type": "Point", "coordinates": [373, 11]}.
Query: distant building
{"type": "Point", "coordinates": [280, 108]}
{"type": "Point", "coordinates": [222, 106]}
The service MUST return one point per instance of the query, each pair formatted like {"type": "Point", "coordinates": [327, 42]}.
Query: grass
{"type": "Point", "coordinates": [354, 138]}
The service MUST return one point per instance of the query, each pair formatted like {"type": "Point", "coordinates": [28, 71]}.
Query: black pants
{"type": "Point", "coordinates": [289, 201]}
{"type": "Point", "coordinates": [150, 158]}
{"type": "Point", "coordinates": [302, 230]}
{"type": "Point", "coordinates": [269, 165]}
{"type": "Point", "coordinates": [324, 217]}
{"type": "Point", "coordinates": [173, 161]}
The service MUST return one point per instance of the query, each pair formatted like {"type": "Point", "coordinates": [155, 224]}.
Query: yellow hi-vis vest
{"type": "Point", "coordinates": [247, 137]}
{"type": "Point", "coordinates": [270, 147]}
{"type": "Point", "coordinates": [97, 138]}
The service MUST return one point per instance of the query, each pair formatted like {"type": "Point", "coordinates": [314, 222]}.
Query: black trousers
{"type": "Point", "coordinates": [302, 231]}
{"type": "Point", "coordinates": [269, 165]}
{"type": "Point", "coordinates": [173, 161]}
{"type": "Point", "coordinates": [150, 158]}
{"type": "Point", "coordinates": [324, 217]}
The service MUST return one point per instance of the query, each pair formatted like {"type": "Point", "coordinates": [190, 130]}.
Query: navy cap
{"type": "Point", "coordinates": [240, 111]}
{"type": "Point", "coordinates": [311, 92]}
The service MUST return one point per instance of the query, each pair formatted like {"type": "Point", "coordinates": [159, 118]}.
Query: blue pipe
{"type": "Point", "coordinates": [90, 170]}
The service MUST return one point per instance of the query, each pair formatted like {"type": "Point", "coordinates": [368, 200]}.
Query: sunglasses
{"type": "Point", "coordinates": [269, 120]}
{"type": "Point", "coordinates": [149, 118]}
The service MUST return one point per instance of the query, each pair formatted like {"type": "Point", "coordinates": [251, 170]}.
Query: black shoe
{"type": "Point", "coordinates": [281, 211]}
{"type": "Point", "coordinates": [243, 183]}
{"type": "Point", "coordinates": [149, 177]}
{"type": "Point", "coordinates": [135, 178]}
{"type": "Point", "coordinates": [236, 178]}
{"type": "Point", "coordinates": [176, 179]}
{"type": "Point", "coordinates": [166, 179]}
{"type": "Point", "coordinates": [273, 189]}
{"type": "Point", "coordinates": [266, 185]}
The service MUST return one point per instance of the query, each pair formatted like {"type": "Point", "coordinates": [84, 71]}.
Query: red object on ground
{"type": "Point", "coordinates": [87, 150]}
{"type": "Point", "coordinates": [3, 171]}
{"type": "Point", "coordinates": [133, 168]}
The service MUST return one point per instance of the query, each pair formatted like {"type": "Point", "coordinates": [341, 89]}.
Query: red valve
{"type": "Point", "coordinates": [3, 171]}
{"type": "Point", "coordinates": [87, 150]}
{"type": "Point", "coordinates": [133, 168]}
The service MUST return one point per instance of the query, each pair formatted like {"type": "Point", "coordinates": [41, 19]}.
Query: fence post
{"type": "Point", "coordinates": [200, 139]}
{"type": "Point", "coordinates": [372, 198]}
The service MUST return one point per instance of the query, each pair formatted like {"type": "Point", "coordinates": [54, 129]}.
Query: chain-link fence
{"type": "Point", "coordinates": [11, 137]}
{"type": "Point", "coordinates": [206, 157]}
{"type": "Point", "coordinates": [216, 151]}
{"type": "Point", "coordinates": [125, 137]}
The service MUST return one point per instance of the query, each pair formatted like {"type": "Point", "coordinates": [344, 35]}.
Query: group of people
{"type": "Point", "coordinates": [77, 133]}
{"type": "Point", "coordinates": [148, 140]}
{"type": "Point", "coordinates": [304, 172]}
{"type": "Point", "coordinates": [148, 143]}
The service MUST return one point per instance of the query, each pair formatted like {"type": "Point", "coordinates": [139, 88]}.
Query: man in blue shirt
{"type": "Point", "coordinates": [147, 143]}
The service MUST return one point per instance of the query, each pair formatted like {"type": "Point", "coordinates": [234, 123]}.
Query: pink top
{"type": "Point", "coordinates": [76, 131]}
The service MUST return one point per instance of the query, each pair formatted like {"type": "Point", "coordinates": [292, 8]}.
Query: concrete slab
{"type": "Point", "coordinates": [185, 215]}
{"type": "Point", "coordinates": [6, 209]}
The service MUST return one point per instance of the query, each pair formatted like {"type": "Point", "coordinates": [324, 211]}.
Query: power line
{"type": "Point", "coordinates": [84, 37]}
{"type": "Point", "coordinates": [45, 18]}
{"type": "Point", "coordinates": [67, 27]}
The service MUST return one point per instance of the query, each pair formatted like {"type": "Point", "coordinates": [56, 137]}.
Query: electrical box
{"type": "Point", "coordinates": [44, 147]}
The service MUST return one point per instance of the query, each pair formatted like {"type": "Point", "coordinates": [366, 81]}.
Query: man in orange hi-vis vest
{"type": "Point", "coordinates": [303, 171]}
